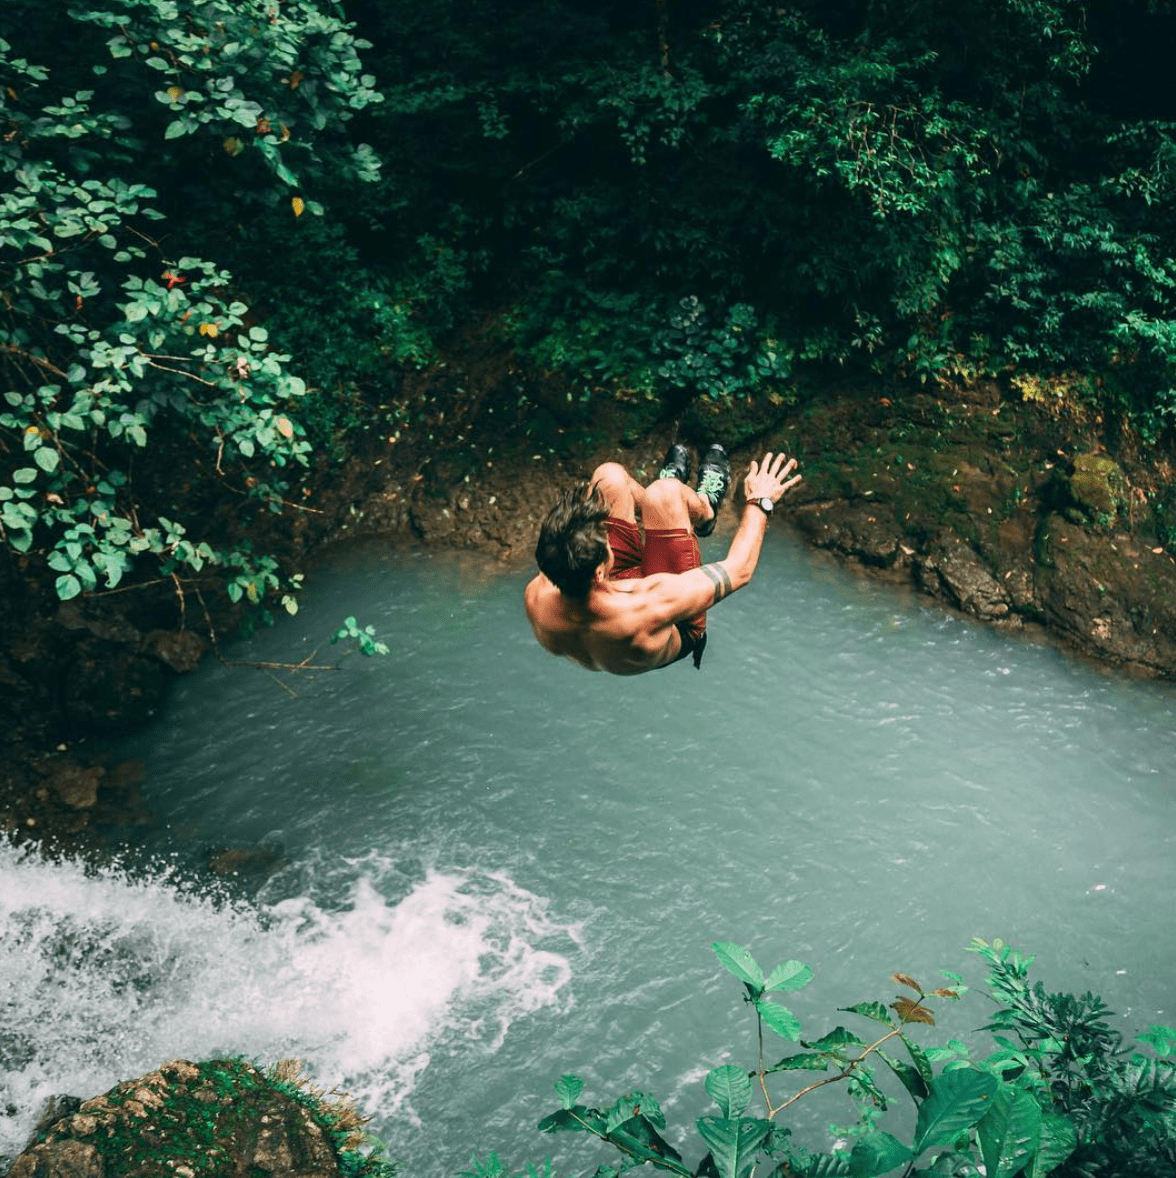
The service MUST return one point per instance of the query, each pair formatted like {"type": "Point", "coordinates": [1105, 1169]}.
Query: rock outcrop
{"type": "Point", "coordinates": [218, 1119]}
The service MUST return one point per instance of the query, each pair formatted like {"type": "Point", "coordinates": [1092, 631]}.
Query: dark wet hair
{"type": "Point", "coordinates": [573, 541]}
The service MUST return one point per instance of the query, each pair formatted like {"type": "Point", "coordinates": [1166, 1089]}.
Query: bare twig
{"type": "Point", "coordinates": [180, 372]}
{"type": "Point", "coordinates": [129, 588]}
{"type": "Point", "coordinates": [842, 1075]}
{"type": "Point", "coordinates": [305, 665]}
{"type": "Point", "coordinates": [283, 686]}
{"type": "Point", "coordinates": [211, 627]}
{"type": "Point", "coordinates": [180, 594]}
{"type": "Point", "coordinates": [40, 361]}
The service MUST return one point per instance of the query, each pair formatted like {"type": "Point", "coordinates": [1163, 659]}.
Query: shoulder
{"type": "Point", "coordinates": [539, 596]}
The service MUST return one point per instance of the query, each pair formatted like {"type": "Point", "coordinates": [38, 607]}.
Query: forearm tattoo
{"type": "Point", "coordinates": [718, 576]}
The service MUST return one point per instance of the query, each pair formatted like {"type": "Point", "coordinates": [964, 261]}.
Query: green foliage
{"type": "Point", "coordinates": [138, 385]}
{"type": "Point", "coordinates": [207, 269]}
{"type": "Point", "coordinates": [1059, 1096]}
{"type": "Point", "coordinates": [492, 1167]}
{"type": "Point", "coordinates": [699, 203]}
{"type": "Point", "coordinates": [364, 637]}
{"type": "Point", "coordinates": [1118, 1105]}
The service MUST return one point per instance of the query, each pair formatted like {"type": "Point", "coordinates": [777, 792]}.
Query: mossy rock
{"type": "Point", "coordinates": [218, 1119]}
{"type": "Point", "coordinates": [1097, 487]}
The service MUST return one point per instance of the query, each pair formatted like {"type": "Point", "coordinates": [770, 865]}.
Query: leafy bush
{"type": "Point", "coordinates": [1060, 1094]}
{"type": "Point", "coordinates": [965, 192]}
{"type": "Point", "coordinates": [138, 386]}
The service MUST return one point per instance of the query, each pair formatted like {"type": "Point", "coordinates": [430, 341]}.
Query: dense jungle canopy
{"type": "Point", "coordinates": [228, 227]}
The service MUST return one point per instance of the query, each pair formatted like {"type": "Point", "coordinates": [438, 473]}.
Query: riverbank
{"type": "Point", "coordinates": [1000, 507]}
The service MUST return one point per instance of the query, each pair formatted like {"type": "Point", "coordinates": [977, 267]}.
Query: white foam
{"type": "Point", "coordinates": [103, 977]}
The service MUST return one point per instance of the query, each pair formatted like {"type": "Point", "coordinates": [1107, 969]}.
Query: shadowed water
{"type": "Point", "coordinates": [500, 868]}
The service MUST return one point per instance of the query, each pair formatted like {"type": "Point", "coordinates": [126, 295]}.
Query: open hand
{"type": "Point", "coordinates": [770, 479]}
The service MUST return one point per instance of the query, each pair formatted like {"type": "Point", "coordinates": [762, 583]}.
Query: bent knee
{"type": "Point", "coordinates": [612, 479]}
{"type": "Point", "coordinates": [664, 493]}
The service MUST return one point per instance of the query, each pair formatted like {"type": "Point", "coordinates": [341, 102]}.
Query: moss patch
{"type": "Point", "coordinates": [218, 1119]}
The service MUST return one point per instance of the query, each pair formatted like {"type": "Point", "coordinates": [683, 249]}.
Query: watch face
{"type": "Point", "coordinates": [767, 505]}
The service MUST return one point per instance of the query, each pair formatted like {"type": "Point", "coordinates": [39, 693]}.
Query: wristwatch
{"type": "Point", "coordinates": [765, 505]}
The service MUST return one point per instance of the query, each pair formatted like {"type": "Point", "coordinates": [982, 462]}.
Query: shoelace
{"type": "Point", "coordinates": [712, 483]}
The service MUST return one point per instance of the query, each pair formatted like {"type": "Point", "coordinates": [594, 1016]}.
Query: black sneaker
{"type": "Point", "coordinates": [714, 480]}
{"type": "Point", "coordinates": [676, 464]}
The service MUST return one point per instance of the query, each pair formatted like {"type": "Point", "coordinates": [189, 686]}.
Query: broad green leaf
{"type": "Point", "coordinates": [877, 1154]}
{"type": "Point", "coordinates": [624, 1109]}
{"type": "Point", "coordinates": [1161, 1039]}
{"type": "Point", "coordinates": [68, 586]}
{"type": "Point", "coordinates": [921, 1062]}
{"type": "Point", "coordinates": [837, 1038]}
{"type": "Point", "coordinates": [650, 1109]}
{"type": "Point", "coordinates": [638, 1137]}
{"type": "Point", "coordinates": [24, 474]}
{"type": "Point", "coordinates": [789, 975]}
{"type": "Point", "coordinates": [736, 960]}
{"type": "Point", "coordinates": [912, 1081]}
{"type": "Point", "coordinates": [1009, 1132]}
{"type": "Point", "coordinates": [939, 1054]}
{"type": "Point", "coordinates": [577, 1119]}
{"type": "Point", "coordinates": [825, 1165]}
{"type": "Point", "coordinates": [1059, 1139]}
{"type": "Point", "coordinates": [730, 1088]}
{"type": "Point", "coordinates": [114, 564]}
{"type": "Point", "coordinates": [779, 1019]}
{"type": "Point", "coordinates": [958, 1100]}
{"type": "Point", "coordinates": [85, 573]}
{"type": "Point", "coordinates": [47, 459]}
{"type": "Point", "coordinates": [874, 1010]}
{"type": "Point", "coordinates": [863, 1078]}
{"type": "Point", "coordinates": [568, 1089]}
{"type": "Point", "coordinates": [804, 1061]}
{"type": "Point", "coordinates": [734, 1144]}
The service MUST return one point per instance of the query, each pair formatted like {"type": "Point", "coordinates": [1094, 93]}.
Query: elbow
{"type": "Point", "coordinates": [739, 577]}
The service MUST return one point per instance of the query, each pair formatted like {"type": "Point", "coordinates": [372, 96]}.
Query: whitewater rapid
{"type": "Point", "coordinates": [105, 975]}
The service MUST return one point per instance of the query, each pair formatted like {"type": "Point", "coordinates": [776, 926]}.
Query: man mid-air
{"type": "Point", "coordinates": [610, 601]}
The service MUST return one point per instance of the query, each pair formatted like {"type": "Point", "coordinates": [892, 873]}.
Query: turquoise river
{"type": "Point", "coordinates": [494, 868]}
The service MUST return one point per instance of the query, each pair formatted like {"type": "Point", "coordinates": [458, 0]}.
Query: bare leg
{"type": "Point", "coordinates": [671, 504]}
{"type": "Point", "coordinates": [623, 493]}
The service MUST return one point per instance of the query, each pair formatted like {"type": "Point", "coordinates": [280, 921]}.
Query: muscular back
{"type": "Point", "coordinates": [618, 628]}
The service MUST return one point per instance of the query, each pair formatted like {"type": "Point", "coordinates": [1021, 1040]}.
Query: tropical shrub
{"type": "Point", "coordinates": [140, 390]}
{"type": "Point", "coordinates": [1060, 1095]}
{"type": "Point", "coordinates": [963, 192]}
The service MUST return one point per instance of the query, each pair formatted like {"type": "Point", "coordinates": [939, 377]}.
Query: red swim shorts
{"type": "Point", "coordinates": [670, 550]}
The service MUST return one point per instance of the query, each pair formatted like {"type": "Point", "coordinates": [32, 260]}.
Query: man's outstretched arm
{"type": "Point", "coordinates": [684, 595]}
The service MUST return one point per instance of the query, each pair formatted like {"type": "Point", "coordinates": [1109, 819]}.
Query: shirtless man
{"type": "Point", "coordinates": [611, 603]}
